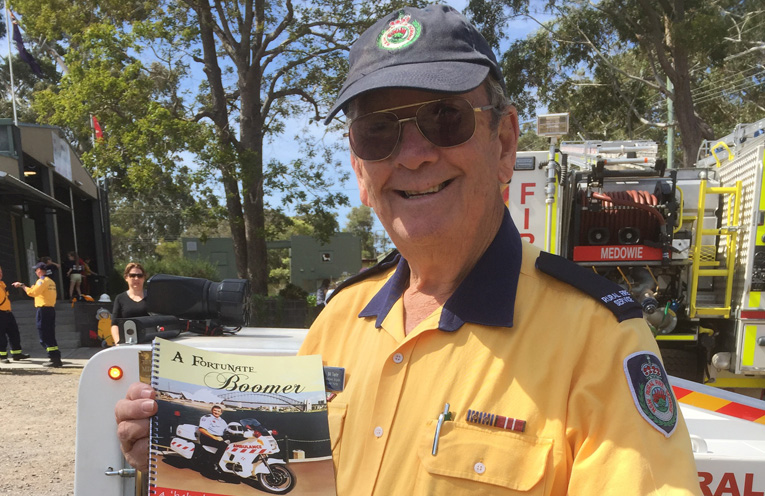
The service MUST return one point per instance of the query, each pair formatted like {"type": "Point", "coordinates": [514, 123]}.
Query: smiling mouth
{"type": "Point", "coordinates": [416, 194]}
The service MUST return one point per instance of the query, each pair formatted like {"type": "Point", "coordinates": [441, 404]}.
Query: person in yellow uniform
{"type": "Point", "coordinates": [9, 330]}
{"type": "Point", "coordinates": [474, 363]}
{"type": "Point", "coordinates": [44, 293]}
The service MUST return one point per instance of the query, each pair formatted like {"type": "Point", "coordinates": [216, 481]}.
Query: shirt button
{"type": "Point", "coordinates": [398, 358]}
{"type": "Point", "coordinates": [378, 431]}
{"type": "Point", "coordinates": [479, 468]}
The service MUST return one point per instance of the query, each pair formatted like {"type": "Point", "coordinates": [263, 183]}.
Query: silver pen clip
{"type": "Point", "coordinates": [441, 417]}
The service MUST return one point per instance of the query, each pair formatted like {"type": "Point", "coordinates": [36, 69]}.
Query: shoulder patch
{"type": "Point", "coordinates": [389, 261]}
{"type": "Point", "coordinates": [651, 391]}
{"type": "Point", "coordinates": [617, 299]}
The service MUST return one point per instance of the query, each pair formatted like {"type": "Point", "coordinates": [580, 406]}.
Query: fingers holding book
{"type": "Point", "coordinates": [133, 416]}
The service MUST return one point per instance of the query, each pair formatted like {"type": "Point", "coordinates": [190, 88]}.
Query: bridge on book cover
{"type": "Point", "coordinates": [255, 400]}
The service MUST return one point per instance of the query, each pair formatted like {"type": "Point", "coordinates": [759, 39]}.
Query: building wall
{"type": "Point", "coordinates": [312, 262]}
{"type": "Point", "coordinates": [7, 247]}
{"type": "Point", "coordinates": [39, 224]}
{"type": "Point", "coordinates": [217, 251]}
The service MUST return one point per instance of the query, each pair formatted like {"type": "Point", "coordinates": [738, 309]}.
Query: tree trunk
{"type": "Point", "coordinates": [235, 220]}
{"type": "Point", "coordinates": [254, 219]}
{"type": "Point", "coordinates": [251, 160]}
{"type": "Point", "coordinates": [690, 127]}
{"type": "Point", "coordinates": [220, 118]}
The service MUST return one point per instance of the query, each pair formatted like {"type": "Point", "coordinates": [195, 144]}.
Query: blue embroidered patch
{"type": "Point", "coordinates": [651, 391]}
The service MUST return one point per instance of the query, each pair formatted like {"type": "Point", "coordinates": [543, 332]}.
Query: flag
{"type": "Point", "coordinates": [23, 54]}
{"type": "Point", "coordinates": [97, 129]}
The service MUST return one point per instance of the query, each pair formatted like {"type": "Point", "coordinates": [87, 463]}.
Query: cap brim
{"type": "Point", "coordinates": [437, 76]}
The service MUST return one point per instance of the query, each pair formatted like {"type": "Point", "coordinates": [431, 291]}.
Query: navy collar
{"type": "Point", "coordinates": [485, 297]}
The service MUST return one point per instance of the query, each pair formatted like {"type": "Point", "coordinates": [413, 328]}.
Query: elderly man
{"type": "Point", "coordinates": [475, 364]}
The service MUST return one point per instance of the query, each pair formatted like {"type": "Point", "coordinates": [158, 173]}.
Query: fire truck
{"type": "Point", "coordinates": [689, 244]}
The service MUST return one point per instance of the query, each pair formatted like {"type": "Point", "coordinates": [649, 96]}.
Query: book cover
{"type": "Point", "coordinates": [231, 425]}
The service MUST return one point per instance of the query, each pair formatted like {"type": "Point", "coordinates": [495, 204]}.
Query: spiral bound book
{"type": "Point", "coordinates": [231, 424]}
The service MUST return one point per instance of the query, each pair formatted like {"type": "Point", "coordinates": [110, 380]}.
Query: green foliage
{"type": "Point", "coordinates": [311, 299]}
{"type": "Point", "coordinates": [361, 223]}
{"type": "Point", "coordinates": [169, 250]}
{"type": "Point", "coordinates": [530, 141]}
{"type": "Point", "coordinates": [136, 65]}
{"type": "Point", "coordinates": [182, 267]}
{"type": "Point", "coordinates": [293, 292]}
{"type": "Point", "coordinates": [177, 266]}
{"type": "Point", "coordinates": [608, 63]}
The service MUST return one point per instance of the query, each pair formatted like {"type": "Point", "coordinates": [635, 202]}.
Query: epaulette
{"type": "Point", "coordinates": [617, 299]}
{"type": "Point", "coordinates": [390, 260]}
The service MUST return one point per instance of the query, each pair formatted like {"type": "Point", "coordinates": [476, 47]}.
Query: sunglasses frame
{"type": "Point", "coordinates": [419, 105]}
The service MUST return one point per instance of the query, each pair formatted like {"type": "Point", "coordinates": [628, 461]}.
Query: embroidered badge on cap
{"type": "Point", "coordinates": [399, 33]}
{"type": "Point", "coordinates": [651, 391]}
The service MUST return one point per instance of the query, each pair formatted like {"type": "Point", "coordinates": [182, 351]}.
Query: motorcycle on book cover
{"type": "Point", "coordinates": [246, 448]}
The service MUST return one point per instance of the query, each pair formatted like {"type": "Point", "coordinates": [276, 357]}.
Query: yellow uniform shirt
{"type": "Point", "coordinates": [559, 365]}
{"type": "Point", "coordinates": [5, 303]}
{"type": "Point", "coordinates": [44, 292]}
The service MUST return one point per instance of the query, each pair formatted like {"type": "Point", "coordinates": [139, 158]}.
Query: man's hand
{"type": "Point", "coordinates": [133, 417]}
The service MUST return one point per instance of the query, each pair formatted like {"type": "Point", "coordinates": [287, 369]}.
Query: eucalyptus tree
{"type": "Point", "coordinates": [241, 71]}
{"type": "Point", "coordinates": [361, 223]}
{"type": "Point", "coordinates": [615, 63]}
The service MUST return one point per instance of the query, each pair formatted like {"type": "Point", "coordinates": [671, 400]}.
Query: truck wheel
{"type": "Point", "coordinates": [685, 364]}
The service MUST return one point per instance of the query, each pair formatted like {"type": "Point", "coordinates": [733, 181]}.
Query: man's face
{"type": "Point", "coordinates": [216, 412]}
{"type": "Point", "coordinates": [427, 195]}
{"type": "Point", "coordinates": [40, 272]}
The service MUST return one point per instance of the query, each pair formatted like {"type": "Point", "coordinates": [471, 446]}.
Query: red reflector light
{"type": "Point", "coordinates": [753, 314]}
{"type": "Point", "coordinates": [115, 373]}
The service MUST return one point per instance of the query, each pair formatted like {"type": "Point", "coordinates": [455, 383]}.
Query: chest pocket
{"type": "Point", "coordinates": [475, 460]}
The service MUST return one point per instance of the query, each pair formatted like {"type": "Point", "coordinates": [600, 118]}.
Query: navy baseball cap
{"type": "Point", "coordinates": [40, 265]}
{"type": "Point", "coordinates": [431, 49]}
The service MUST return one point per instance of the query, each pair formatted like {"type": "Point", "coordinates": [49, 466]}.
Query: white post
{"type": "Point", "coordinates": [10, 60]}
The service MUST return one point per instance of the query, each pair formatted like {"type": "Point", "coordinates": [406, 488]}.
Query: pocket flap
{"type": "Point", "coordinates": [336, 418]}
{"type": "Point", "coordinates": [506, 459]}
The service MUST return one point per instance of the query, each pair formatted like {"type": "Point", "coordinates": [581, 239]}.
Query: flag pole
{"type": "Point", "coordinates": [10, 60]}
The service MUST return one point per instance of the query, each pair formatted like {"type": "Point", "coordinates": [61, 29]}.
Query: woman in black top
{"type": "Point", "coordinates": [131, 303]}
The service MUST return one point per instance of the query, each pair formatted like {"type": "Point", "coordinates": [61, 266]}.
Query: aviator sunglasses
{"type": "Point", "coordinates": [445, 123]}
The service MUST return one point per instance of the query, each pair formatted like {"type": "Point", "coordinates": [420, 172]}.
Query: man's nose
{"type": "Point", "coordinates": [414, 149]}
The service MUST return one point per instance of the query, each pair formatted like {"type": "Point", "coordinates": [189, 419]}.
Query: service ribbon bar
{"type": "Point", "coordinates": [484, 418]}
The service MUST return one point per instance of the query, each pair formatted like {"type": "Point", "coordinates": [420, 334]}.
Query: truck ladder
{"type": "Point", "coordinates": [705, 263]}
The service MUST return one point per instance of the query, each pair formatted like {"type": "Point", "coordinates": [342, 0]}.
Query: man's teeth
{"type": "Point", "coordinates": [434, 189]}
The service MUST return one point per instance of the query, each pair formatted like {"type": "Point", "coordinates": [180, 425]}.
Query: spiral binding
{"type": "Point", "coordinates": [154, 425]}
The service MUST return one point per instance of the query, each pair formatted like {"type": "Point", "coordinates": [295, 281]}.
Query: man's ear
{"type": "Point", "coordinates": [508, 134]}
{"type": "Point", "coordinates": [363, 193]}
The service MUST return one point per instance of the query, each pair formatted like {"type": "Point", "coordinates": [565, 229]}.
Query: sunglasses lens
{"type": "Point", "coordinates": [374, 136]}
{"type": "Point", "coordinates": [448, 122]}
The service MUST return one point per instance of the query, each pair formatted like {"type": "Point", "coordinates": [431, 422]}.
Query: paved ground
{"type": "Point", "coordinates": [38, 413]}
